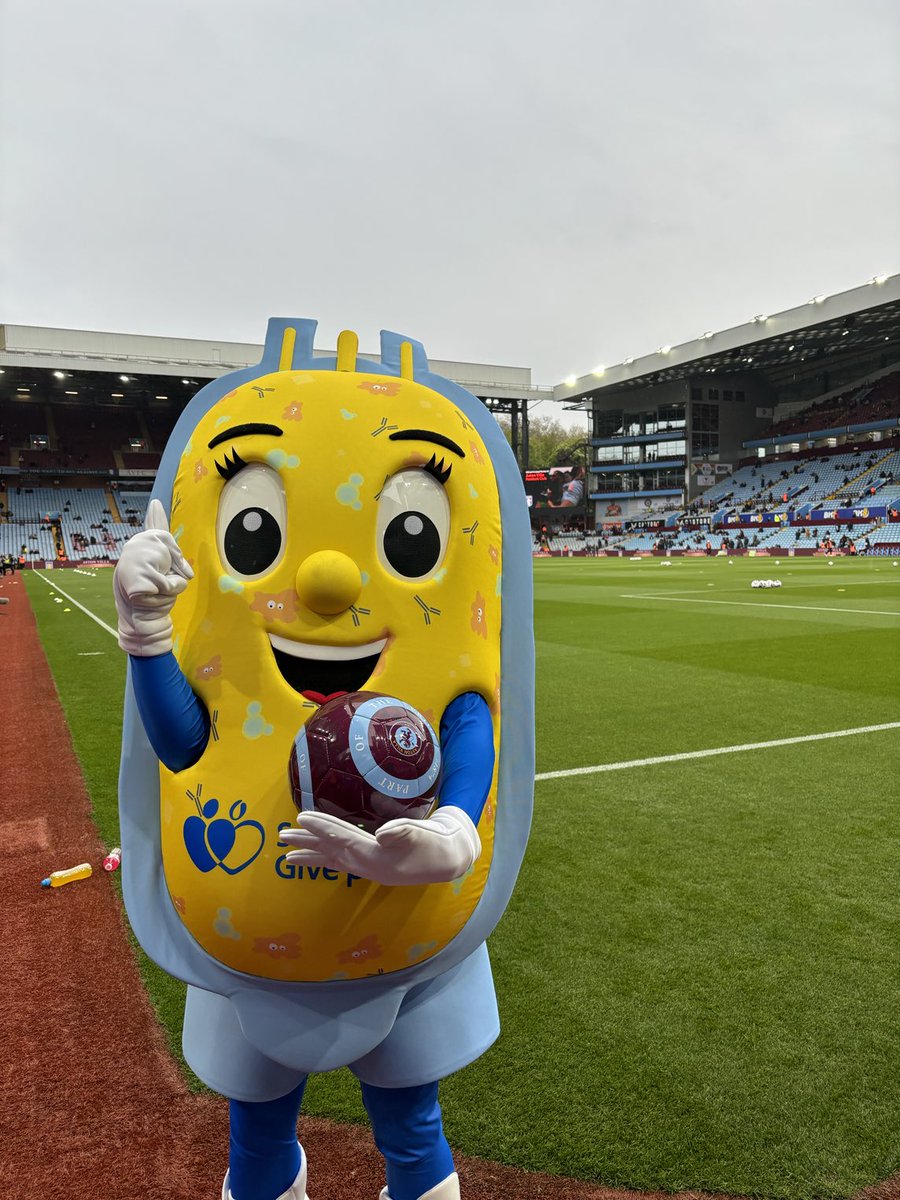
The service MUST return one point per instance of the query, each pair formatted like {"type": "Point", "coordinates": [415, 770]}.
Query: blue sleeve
{"type": "Point", "coordinates": [175, 720]}
{"type": "Point", "coordinates": [467, 750]}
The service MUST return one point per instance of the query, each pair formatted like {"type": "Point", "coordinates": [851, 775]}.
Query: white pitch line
{"type": "Point", "coordinates": [869, 612]}
{"type": "Point", "coordinates": [72, 600]}
{"type": "Point", "coordinates": [669, 758]}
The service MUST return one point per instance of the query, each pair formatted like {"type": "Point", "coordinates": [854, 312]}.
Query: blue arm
{"type": "Point", "coordinates": [175, 720]}
{"type": "Point", "coordinates": [467, 748]}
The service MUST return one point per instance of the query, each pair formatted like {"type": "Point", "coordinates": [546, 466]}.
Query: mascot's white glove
{"type": "Point", "coordinates": [149, 576]}
{"type": "Point", "coordinates": [442, 847]}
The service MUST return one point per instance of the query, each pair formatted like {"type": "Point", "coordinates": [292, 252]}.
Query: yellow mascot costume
{"type": "Point", "coordinates": [320, 528]}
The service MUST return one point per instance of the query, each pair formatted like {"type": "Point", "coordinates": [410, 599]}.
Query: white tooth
{"type": "Point", "coordinates": [327, 653]}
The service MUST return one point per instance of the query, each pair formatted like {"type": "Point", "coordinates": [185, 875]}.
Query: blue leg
{"type": "Point", "coordinates": [264, 1156]}
{"type": "Point", "coordinates": [408, 1132]}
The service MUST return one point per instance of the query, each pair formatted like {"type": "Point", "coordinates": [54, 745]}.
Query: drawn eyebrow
{"type": "Point", "coordinates": [237, 431]}
{"type": "Point", "coordinates": [426, 435]}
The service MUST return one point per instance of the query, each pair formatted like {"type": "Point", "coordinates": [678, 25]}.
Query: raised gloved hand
{"type": "Point", "coordinates": [149, 576]}
{"type": "Point", "coordinates": [406, 851]}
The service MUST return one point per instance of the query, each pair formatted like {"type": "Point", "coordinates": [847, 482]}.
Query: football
{"type": "Point", "coordinates": [367, 759]}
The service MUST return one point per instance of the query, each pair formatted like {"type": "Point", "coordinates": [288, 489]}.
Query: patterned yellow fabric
{"type": "Point", "coordinates": [250, 909]}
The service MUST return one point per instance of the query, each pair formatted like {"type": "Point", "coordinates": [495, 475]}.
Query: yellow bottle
{"type": "Point", "coordinates": [58, 878]}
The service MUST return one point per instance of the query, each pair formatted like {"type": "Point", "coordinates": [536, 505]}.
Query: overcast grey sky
{"type": "Point", "coordinates": [553, 185]}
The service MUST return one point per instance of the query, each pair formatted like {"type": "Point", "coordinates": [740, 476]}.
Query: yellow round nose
{"type": "Point", "coordinates": [328, 582]}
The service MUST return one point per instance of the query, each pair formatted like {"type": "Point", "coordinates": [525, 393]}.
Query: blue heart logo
{"type": "Point", "coordinates": [211, 840]}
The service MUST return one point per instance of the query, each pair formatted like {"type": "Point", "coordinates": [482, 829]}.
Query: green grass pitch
{"type": "Point", "coordinates": [699, 971]}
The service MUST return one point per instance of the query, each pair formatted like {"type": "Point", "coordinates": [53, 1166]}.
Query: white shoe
{"type": "Point", "coordinates": [446, 1190]}
{"type": "Point", "coordinates": [297, 1190]}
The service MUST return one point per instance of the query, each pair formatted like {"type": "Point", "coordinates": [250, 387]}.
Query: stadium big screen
{"type": "Point", "coordinates": [555, 487]}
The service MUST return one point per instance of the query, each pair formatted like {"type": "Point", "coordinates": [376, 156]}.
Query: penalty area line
{"type": "Point", "coordinates": [72, 600]}
{"type": "Point", "coordinates": [689, 754]}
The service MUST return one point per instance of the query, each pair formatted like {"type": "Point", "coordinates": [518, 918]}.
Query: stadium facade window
{"type": "Point", "coordinates": [696, 393]}
{"type": "Point", "coordinates": [657, 450]}
{"type": "Point", "coordinates": [739, 396]}
{"type": "Point", "coordinates": [608, 422]}
{"type": "Point", "coordinates": [620, 453]}
{"type": "Point", "coordinates": [712, 394]}
{"type": "Point", "coordinates": [705, 418]}
{"type": "Point", "coordinates": [704, 445]}
{"type": "Point", "coordinates": [727, 395]}
{"type": "Point", "coordinates": [672, 416]}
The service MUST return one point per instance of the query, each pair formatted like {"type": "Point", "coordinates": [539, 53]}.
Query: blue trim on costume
{"type": "Point", "coordinates": [407, 1126]}
{"type": "Point", "coordinates": [467, 745]}
{"type": "Point", "coordinates": [175, 719]}
{"type": "Point", "coordinates": [263, 1152]}
{"type": "Point", "coordinates": [264, 1156]}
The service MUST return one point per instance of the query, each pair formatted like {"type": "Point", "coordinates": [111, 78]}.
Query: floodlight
{"type": "Point", "coordinates": [571, 380]}
{"type": "Point", "coordinates": [879, 279]}
{"type": "Point", "coordinates": [60, 374]}
{"type": "Point", "coordinates": [817, 299]}
{"type": "Point", "coordinates": [124, 378]}
{"type": "Point", "coordinates": [599, 371]}
{"type": "Point", "coordinates": [664, 349]}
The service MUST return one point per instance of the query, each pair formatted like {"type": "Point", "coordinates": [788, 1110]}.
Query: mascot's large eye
{"type": "Point", "coordinates": [250, 527]}
{"type": "Point", "coordinates": [413, 524]}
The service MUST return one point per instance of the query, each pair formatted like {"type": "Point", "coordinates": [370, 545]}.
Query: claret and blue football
{"type": "Point", "coordinates": [367, 759]}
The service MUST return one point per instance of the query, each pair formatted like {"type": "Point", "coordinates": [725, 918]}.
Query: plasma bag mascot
{"type": "Point", "coordinates": [337, 525]}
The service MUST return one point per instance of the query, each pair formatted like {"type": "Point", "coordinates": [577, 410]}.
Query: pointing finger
{"type": "Point", "coordinates": [156, 517]}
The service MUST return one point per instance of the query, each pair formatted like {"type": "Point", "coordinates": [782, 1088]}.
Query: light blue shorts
{"type": "Point", "coordinates": [258, 1047]}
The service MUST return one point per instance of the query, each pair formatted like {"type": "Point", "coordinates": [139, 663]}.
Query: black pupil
{"type": "Point", "coordinates": [252, 541]}
{"type": "Point", "coordinates": [412, 544]}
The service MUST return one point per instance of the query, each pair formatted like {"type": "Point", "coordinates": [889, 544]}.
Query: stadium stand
{"type": "Point", "coordinates": [88, 526]}
{"type": "Point", "coordinates": [871, 402]}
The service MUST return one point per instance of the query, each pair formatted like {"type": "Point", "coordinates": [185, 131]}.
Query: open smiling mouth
{"type": "Point", "coordinates": [320, 672]}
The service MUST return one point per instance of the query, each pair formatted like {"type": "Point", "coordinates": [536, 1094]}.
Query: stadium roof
{"type": "Point", "coordinates": [93, 357]}
{"type": "Point", "coordinates": [857, 321]}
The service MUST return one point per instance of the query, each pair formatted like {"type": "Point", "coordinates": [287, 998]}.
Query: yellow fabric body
{"type": "Point", "coordinates": [443, 638]}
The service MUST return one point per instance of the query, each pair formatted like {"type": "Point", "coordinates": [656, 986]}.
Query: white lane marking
{"type": "Point", "coordinates": [669, 758]}
{"type": "Point", "coordinates": [869, 612]}
{"type": "Point", "coordinates": [56, 588]}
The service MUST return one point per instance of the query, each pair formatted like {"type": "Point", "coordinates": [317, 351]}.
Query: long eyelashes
{"type": "Point", "coordinates": [437, 470]}
{"type": "Point", "coordinates": [233, 463]}
{"type": "Point", "coordinates": [231, 466]}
